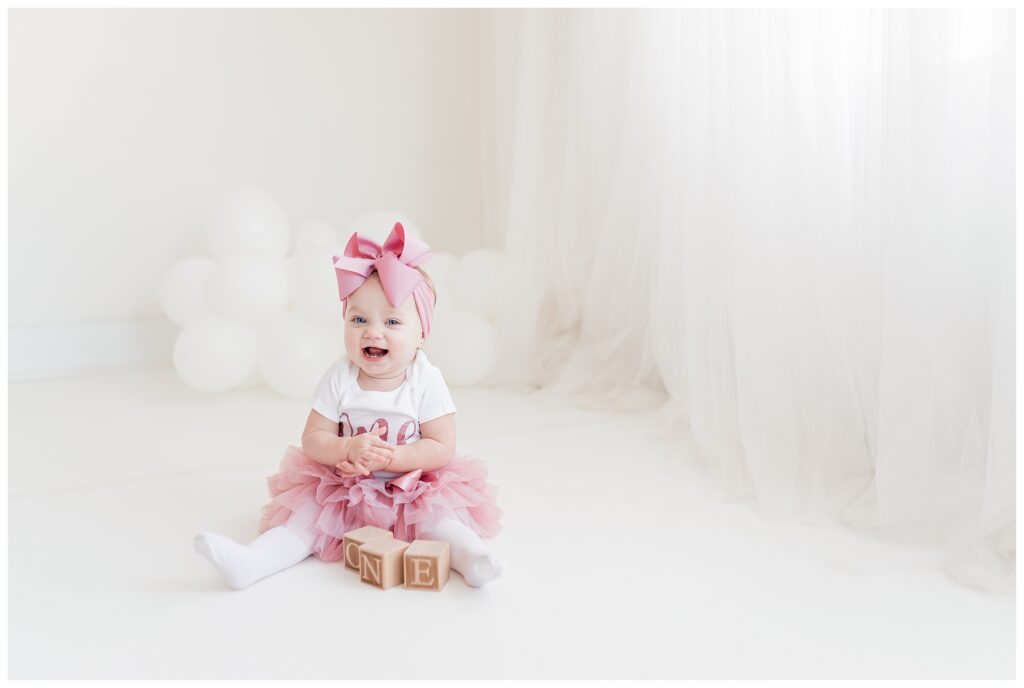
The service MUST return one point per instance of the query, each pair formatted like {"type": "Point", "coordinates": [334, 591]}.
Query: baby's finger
{"type": "Point", "coordinates": [379, 458]}
{"type": "Point", "coordinates": [371, 460]}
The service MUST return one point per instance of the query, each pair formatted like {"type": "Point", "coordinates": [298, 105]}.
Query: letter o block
{"type": "Point", "coordinates": [427, 564]}
{"type": "Point", "coordinates": [355, 539]}
{"type": "Point", "coordinates": [380, 562]}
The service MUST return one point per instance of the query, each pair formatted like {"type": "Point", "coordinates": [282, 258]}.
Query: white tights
{"type": "Point", "coordinates": [286, 545]}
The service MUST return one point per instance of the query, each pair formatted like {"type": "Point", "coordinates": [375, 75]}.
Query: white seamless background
{"type": "Point", "coordinates": [790, 232]}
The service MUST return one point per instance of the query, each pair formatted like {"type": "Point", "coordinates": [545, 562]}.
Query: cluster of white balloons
{"type": "Point", "coordinates": [253, 312]}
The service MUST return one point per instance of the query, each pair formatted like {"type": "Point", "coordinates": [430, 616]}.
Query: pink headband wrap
{"type": "Point", "coordinates": [395, 262]}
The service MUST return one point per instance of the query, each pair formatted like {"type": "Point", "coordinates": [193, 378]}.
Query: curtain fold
{"type": "Point", "coordinates": [791, 231]}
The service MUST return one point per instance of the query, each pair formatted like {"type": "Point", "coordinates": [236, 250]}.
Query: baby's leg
{"type": "Point", "coordinates": [243, 565]}
{"type": "Point", "coordinates": [470, 555]}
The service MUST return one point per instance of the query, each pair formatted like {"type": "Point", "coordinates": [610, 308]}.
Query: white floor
{"type": "Point", "coordinates": [619, 565]}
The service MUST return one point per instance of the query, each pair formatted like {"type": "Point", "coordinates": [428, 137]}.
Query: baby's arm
{"type": "Point", "coordinates": [433, 450]}
{"type": "Point", "coordinates": [321, 441]}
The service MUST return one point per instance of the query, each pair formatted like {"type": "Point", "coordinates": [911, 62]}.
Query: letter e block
{"type": "Point", "coordinates": [380, 562]}
{"type": "Point", "coordinates": [354, 539]}
{"type": "Point", "coordinates": [427, 565]}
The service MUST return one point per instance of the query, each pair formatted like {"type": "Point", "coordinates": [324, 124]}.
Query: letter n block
{"type": "Point", "coordinates": [427, 564]}
{"type": "Point", "coordinates": [354, 539]}
{"type": "Point", "coordinates": [380, 562]}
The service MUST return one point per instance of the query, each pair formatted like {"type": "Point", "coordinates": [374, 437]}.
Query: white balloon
{"type": "Point", "coordinates": [379, 223]}
{"type": "Point", "coordinates": [248, 289]}
{"type": "Point", "coordinates": [249, 221]}
{"type": "Point", "coordinates": [480, 281]}
{"type": "Point", "coordinates": [318, 237]}
{"type": "Point", "coordinates": [214, 355]}
{"type": "Point", "coordinates": [464, 347]}
{"type": "Point", "coordinates": [182, 289]}
{"type": "Point", "coordinates": [440, 267]}
{"type": "Point", "coordinates": [293, 355]}
{"type": "Point", "coordinates": [314, 288]}
{"type": "Point", "coordinates": [254, 379]}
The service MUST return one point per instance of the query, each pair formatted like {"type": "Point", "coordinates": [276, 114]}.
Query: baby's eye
{"type": "Point", "coordinates": [392, 321]}
{"type": "Point", "coordinates": [359, 320]}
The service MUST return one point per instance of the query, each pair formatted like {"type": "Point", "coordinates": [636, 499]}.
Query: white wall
{"type": "Point", "coordinates": [128, 127]}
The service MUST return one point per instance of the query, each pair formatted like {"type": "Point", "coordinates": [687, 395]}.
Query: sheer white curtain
{"type": "Point", "coordinates": [789, 231]}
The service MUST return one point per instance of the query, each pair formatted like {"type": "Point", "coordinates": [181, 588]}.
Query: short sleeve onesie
{"type": "Point", "coordinates": [421, 398]}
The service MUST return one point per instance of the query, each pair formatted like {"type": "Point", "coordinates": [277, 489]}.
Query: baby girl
{"type": "Point", "coordinates": [379, 444]}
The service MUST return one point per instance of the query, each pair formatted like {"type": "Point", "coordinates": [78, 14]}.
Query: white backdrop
{"type": "Point", "coordinates": [128, 128]}
{"type": "Point", "coordinates": [792, 231]}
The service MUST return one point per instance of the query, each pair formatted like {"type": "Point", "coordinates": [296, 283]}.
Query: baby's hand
{"type": "Point", "coordinates": [349, 470]}
{"type": "Point", "coordinates": [366, 453]}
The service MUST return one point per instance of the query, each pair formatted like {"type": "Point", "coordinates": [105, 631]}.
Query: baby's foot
{"type": "Point", "coordinates": [227, 556]}
{"type": "Point", "coordinates": [485, 569]}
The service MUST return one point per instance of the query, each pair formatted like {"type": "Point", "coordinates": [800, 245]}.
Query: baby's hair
{"type": "Point", "coordinates": [430, 283]}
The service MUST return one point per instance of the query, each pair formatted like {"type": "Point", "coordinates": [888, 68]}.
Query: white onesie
{"type": "Point", "coordinates": [421, 398]}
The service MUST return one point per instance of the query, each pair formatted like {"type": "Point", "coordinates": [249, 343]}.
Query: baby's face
{"type": "Point", "coordinates": [372, 326]}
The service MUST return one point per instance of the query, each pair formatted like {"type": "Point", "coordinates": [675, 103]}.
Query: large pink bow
{"type": "Point", "coordinates": [395, 262]}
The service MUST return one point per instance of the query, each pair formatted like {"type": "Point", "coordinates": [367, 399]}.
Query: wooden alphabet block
{"type": "Point", "coordinates": [427, 564]}
{"type": "Point", "coordinates": [380, 562]}
{"type": "Point", "coordinates": [354, 539]}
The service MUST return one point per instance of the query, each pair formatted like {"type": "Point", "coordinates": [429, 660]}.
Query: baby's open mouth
{"type": "Point", "coordinates": [372, 352]}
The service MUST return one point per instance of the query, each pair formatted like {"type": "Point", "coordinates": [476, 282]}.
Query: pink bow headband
{"type": "Point", "coordinates": [395, 263]}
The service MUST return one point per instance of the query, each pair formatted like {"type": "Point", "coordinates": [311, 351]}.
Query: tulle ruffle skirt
{"type": "Point", "coordinates": [312, 495]}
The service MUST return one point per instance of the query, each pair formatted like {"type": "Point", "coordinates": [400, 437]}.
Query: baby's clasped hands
{"type": "Point", "coordinates": [366, 453]}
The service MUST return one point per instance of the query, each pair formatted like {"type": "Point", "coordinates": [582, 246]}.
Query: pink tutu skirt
{"type": "Point", "coordinates": [314, 495]}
